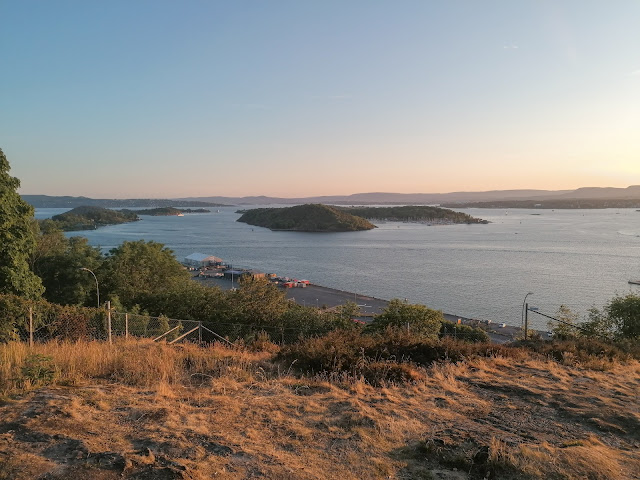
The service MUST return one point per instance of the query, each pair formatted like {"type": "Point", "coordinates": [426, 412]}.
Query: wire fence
{"type": "Point", "coordinates": [38, 325]}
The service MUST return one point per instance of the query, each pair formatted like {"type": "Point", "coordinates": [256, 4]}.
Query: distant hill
{"type": "Point", "coordinates": [305, 218]}
{"type": "Point", "coordinates": [559, 203]}
{"type": "Point", "coordinates": [371, 198]}
{"type": "Point", "coordinates": [46, 201]}
{"type": "Point", "coordinates": [382, 198]}
{"type": "Point", "coordinates": [412, 213]}
{"type": "Point", "coordinates": [90, 218]}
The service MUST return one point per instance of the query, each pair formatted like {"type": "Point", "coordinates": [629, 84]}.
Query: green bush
{"type": "Point", "coordinates": [38, 370]}
{"type": "Point", "coordinates": [466, 333]}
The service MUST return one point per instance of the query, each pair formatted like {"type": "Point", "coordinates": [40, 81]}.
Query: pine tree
{"type": "Point", "coordinates": [17, 240]}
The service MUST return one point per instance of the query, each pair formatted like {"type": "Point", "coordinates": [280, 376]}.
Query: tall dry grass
{"type": "Point", "coordinates": [141, 363]}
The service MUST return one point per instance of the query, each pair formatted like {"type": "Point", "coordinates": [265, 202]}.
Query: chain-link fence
{"type": "Point", "coordinates": [42, 321]}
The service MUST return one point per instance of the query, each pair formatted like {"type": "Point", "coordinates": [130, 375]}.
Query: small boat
{"type": "Point", "coordinates": [181, 215]}
{"type": "Point", "coordinates": [634, 282]}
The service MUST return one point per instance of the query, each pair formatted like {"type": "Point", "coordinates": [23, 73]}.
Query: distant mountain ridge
{"type": "Point", "coordinates": [48, 201]}
{"type": "Point", "coordinates": [381, 198]}
{"type": "Point", "coordinates": [436, 198]}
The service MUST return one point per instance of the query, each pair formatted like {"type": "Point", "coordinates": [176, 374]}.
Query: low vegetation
{"type": "Point", "coordinates": [190, 412]}
{"type": "Point", "coordinates": [413, 213]}
{"type": "Point", "coordinates": [167, 211]}
{"type": "Point", "coordinates": [89, 218]}
{"type": "Point", "coordinates": [305, 218]}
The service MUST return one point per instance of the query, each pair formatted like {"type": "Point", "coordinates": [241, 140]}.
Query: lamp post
{"type": "Point", "coordinates": [96, 279]}
{"type": "Point", "coordinates": [524, 302]}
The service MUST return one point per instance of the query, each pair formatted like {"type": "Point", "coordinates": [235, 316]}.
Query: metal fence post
{"type": "Point", "coordinates": [126, 325]}
{"type": "Point", "coordinates": [199, 333]}
{"type": "Point", "coordinates": [526, 320]}
{"type": "Point", "coordinates": [31, 327]}
{"type": "Point", "coordinates": [109, 321]}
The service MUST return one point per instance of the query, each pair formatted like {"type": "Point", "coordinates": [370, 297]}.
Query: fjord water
{"type": "Point", "coordinates": [579, 258]}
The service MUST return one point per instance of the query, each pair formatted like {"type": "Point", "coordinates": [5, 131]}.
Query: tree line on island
{"type": "Point", "coordinates": [326, 218]}
{"type": "Point", "coordinates": [90, 218]}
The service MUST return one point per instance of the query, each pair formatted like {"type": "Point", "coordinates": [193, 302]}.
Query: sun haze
{"type": "Point", "coordinates": [168, 99]}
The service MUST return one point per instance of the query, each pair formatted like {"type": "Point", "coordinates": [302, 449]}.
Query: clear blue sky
{"type": "Point", "coordinates": [193, 98]}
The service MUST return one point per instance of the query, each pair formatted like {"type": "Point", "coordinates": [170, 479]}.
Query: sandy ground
{"type": "Point", "coordinates": [485, 419]}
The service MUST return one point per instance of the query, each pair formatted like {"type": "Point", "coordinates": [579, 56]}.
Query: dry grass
{"type": "Point", "coordinates": [139, 410]}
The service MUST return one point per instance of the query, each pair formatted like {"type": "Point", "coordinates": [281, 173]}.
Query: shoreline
{"type": "Point", "coordinates": [328, 297]}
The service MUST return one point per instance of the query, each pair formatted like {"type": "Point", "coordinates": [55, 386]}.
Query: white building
{"type": "Point", "coordinates": [201, 260]}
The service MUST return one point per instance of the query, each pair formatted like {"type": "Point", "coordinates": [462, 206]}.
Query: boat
{"type": "Point", "coordinates": [634, 282]}
{"type": "Point", "coordinates": [181, 215]}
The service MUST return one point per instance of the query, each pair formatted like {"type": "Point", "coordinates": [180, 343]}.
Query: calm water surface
{"type": "Point", "coordinates": [579, 258]}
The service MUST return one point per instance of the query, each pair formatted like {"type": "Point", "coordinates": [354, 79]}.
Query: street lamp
{"type": "Point", "coordinates": [96, 278]}
{"type": "Point", "coordinates": [523, 306]}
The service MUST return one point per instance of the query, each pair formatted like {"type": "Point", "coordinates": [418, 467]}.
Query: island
{"type": "Point", "coordinates": [90, 218]}
{"type": "Point", "coordinates": [413, 213]}
{"type": "Point", "coordinates": [305, 218]}
{"type": "Point", "coordinates": [168, 211]}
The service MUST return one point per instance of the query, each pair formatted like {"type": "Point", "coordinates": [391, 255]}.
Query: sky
{"type": "Point", "coordinates": [161, 99]}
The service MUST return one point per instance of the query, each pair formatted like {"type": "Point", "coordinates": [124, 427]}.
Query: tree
{"type": "Point", "coordinates": [135, 270]}
{"type": "Point", "coordinates": [421, 321]}
{"type": "Point", "coordinates": [256, 302]}
{"type": "Point", "coordinates": [624, 314]}
{"type": "Point", "coordinates": [17, 240]}
{"type": "Point", "coordinates": [60, 272]}
{"type": "Point", "coordinates": [564, 330]}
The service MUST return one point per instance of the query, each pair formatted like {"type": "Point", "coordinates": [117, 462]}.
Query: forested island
{"type": "Point", "coordinates": [305, 218]}
{"type": "Point", "coordinates": [558, 204]}
{"type": "Point", "coordinates": [413, 213]}
{"type": "Point", "coordinates": [167, 211]}
{"type": "Point", "coordinates": [90, 218]}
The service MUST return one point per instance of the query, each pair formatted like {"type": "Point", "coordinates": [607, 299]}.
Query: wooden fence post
{"type": "Point", "coordinates": [31, 327]}
{"type": "Point", "coordinates": [109, 321]}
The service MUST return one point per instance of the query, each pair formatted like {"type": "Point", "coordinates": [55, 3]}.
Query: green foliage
{"type": "Point", "coordinates": [17, 241]}
{"type": "Point", "coordinates": [419, 320]}
{"type": "Point", "coordinates": [59, 266]}
{"type": "Point", "coordinates": [89, 218]}
{"type": "Point", "coordinates": [305, 218]}
{"type": "Point", "coordinates": [38, 370]}
{"type": "Point", "coordinates": [257, 302]}
{"type": "Point", "coordinates": [135, 270]}
{"type": "Point", "coordinates": [624, 314]}
{"type": "Point", "coordinates": [166, 211]}
{"type": "Point", "coordinates": [49, 320]}
{"type": "Point", "coordinates": [465, 333]}
{"type": "Point", "coordinates": [565, 329]}
{"type": "Point", "coordinates": [412, 213]}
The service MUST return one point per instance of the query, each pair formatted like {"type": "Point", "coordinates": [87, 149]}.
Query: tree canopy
{"type": "Point", "coordinates": [137, 269]}
{"type": "Point", "coordinates": [421, 321]}
{"type": "Point", "coordinates": [17, 240]}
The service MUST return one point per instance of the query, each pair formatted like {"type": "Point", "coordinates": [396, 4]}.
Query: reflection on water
{"type": "Point", "coordinates": [578, 258]}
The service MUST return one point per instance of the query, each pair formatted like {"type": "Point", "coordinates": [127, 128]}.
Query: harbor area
{"type": "Point", "coordinates": [212, 271]}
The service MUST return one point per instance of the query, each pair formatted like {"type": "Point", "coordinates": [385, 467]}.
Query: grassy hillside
{"type": "Point", "coordinates": [88, 218]}
{"type": "Point", "coordinates": [305, 218]}
{"type": "Point", "coordinates": [412, 213]}
{"type": "Point", "coordinates": [140, 410]}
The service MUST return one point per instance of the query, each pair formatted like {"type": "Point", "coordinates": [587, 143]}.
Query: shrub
{"type": "Point", "coordinates": [421, 321]}
{"type": "Point", "coordinates": [466, 333]}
